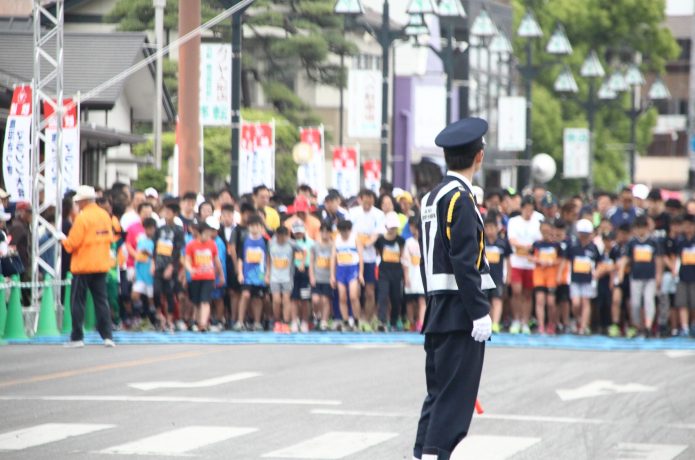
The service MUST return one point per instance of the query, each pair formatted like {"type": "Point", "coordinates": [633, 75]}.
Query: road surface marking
{"type": "Point", "coordinates": [180, 441]}
{"type": "Point", "coordinates": [542, 418]}
{"type": "Point", "coordinates": [629, 451]}
{"type": "Point", "coordinates": [482, 447]}
{"type": "Point", "coordinates": [680, 353]}
{"type": "Point", "coordinates": [332, 445]}
{"type": "Point", "coordinates": [46, 433]}
{"type": "Point", "coordinates": [104, 367]}
{"type": "Point", "coordinates": [602, 388]}
{"type": "Point", "coordinates": [359, 413]}
{"type": "Point", "coordinates": [147, 386]}
{"type": "Point", "coordinates": [175, 399]}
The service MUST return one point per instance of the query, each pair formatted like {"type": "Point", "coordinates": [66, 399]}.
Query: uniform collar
{"type": "Point", "coordinates": [462, 178]}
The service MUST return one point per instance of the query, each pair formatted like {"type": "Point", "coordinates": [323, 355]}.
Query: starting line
{"type": "Point", "coordinates": [564, 342]}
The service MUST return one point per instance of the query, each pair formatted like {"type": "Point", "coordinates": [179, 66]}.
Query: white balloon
{"type": "Point", "coordinates": [543, 167]}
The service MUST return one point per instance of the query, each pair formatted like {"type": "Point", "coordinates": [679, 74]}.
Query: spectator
{"type": "Point", "coordinates": [261, 200]}
{"type": "Point", "coordinates": [301, 214]}
{"type": "Point", "coordinates": [331, 213]}
{"type": "Point", "coordinates": [626, 211]}
{"type": "Point", "coordinates": [187, 216]}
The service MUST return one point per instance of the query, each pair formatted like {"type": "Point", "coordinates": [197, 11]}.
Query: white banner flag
{"type": "Point", "coordinates": [314, 172]}
{"type": "Point", "coordinates": [364, 104]}
{"type": "Point", "coordinates": [511, 127]}
{"type": "Point", "coordinates": [215, 84]}
{"type": "Point", "coordinates": [16, 166]}
{"type": "Point", "coordinates": [575, 144]}
{"type": "Point", "coordinates": [71, 150]}
{"type": "Point", "coordinates": [256, 156]}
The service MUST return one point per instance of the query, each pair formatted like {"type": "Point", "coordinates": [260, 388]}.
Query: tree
{"type": "Point", "coordinates": [618, 30]}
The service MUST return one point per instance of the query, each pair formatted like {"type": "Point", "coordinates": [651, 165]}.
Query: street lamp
{"type": "Point", "coordinates": [558, 46]}
{"type": "Point", "coordinates": [501, 46]}
{"type": "Point", "coordinates": [385, 36]}
{"type": "Point", "coordinates": [484, 29]}
{"type": "Point", "coordinates": [349, 9]}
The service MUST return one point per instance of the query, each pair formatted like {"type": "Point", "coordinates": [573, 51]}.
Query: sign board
{"type": "Point", "coordinates": [364, 104]}
{"type": "Point", "coordinates": [256, 156]}
{"type": "Point", "coordinates": [511, 125]}
{"type": "Point", "coordinates": [346, 170]}
{"type": "Point", "coordinates": [576, 150]}
{"type": "Point", "coordinates": [314, 172]}
{"type": "Point", "coordinates": [215, 84]}
{"type": "Point", "coordinates": [16, 151]}
{"type": "Point", "coordinates": [71, 150]}
{"type": "Point", "coordinates": [372, 175]}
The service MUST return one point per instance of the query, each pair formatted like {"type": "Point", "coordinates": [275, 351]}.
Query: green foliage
{"type": "Point", "coordinates": [149, 176]}
{"type": "Point", "coordinates": [138, 15]}
{"type": "Point", "coordinates": [617, 29]}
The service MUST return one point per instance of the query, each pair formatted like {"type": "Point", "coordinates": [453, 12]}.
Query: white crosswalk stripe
{"type": "Point", "coordinates": [484, 447]}
{"type": "Point", "coordinates": [633, 451]}
{"type": "Point", "coordinates": [332, 445]}
{"type": "Point", "coordinates": [46, 433]}
{"type": "Point", "coordinates": [180, 441]}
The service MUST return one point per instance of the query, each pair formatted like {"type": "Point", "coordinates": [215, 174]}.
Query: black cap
{"type": "Point", "coordinates": [462, 133]}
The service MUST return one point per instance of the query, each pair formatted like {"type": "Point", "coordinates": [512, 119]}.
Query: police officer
{"type": "Point", "coordinates": [456, 274]}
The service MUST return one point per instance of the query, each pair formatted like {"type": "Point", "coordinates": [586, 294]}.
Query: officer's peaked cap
{"type": "Point", "coordinates": [462, 133]}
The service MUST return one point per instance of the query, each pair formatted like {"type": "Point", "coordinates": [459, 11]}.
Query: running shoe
{"type": "Point", "coordinates": [525, 329]}
{"type": "Point", "coordinates": [399, 325]}
{"type": "Point", "coordinates": [323, 325]}
{"type": "Point", "coordinates": [258, 327]}
{"type": "Point", "coordinates": [631, 332]}
{"type": "Point", "coordinates": [541, 330]}
{"type": "Point", "coordinates": [515, 328]}
{"type": "Point", "coordinates": [294, 327]}
{"type": "Point", "coordinates": [550, 330]}
{"type": "Point", "coordinates": [613, 330]}
{"type": "Point", "coordinates": [366, 327]}
{"type": "Point", "coordinates": [496, 328]}
{"type": "Point", "coordinates": [304, 327]}
{"type": "Point", "coordinates": [108, 343]}
{"type": "Point", "coordinates": [239, 327]}
{"type": "Point", "coordinates": [74, 344]}
{"type": "Point", "coordinates": [277, 327]}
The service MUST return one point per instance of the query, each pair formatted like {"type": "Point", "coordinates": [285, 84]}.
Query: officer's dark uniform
{"type": "Point", "coordinates": [455, 273]}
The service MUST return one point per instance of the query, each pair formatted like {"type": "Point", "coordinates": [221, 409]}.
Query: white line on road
{"type": "Point", "coordinates": [178, 442]}
{"type": "Point", "coordinates": [359, 413]}
{"type": "Point", "coordinates": [602, 388]}
{"type": "Point", "coordinates": [332, 445]}
{"type": "Point", "coordinates": [46, 433]}
{"type": "Point", "coordinates": [175, 399]}
{"type": "Point", "coordinates": [630, 451]}
{"type": "Point", "coordinates": [680, 353]}
{"type": "Point", "coordinates": [482, 447]}
{"type": "Point", "coordinates": [147, 386]}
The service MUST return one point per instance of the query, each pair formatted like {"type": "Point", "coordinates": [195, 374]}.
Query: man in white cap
{"type": "Point", "coordinates": [89, 244]}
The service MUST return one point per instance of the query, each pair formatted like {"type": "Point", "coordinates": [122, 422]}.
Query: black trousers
{"type": "Point", "coordinates": [453, 366]}
{"type": "Point", "coordinates": [96, 283]}
{"type": "Point", "coordinates": [390, 288]}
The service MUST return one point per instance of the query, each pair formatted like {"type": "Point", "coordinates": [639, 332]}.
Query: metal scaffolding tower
{"type": "Point", "coordinates": [47, 87]}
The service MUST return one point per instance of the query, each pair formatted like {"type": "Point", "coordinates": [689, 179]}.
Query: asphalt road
{"type": "Point", "coordinates": [334, 402]}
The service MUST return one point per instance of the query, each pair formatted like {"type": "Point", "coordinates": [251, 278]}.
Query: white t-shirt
{"type": "Point", "coordinates": [366, 224]}
{"type": "Point", "coordinates": [411, 259]}
{"type": "Point", "coordinates": [525, 232]}
{"type": "Point", "coordinates": [128, 219]}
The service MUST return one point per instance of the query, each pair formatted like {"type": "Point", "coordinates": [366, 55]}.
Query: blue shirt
{"type": "Point", "coordinates": [496, 252]}
{"type": "Point", "coordinates": [685, 250]}
{"type": "Point", "coordinates": [254, 258]}
{"type": "Point", "coordinates": [222, 255]}
{"type": "Point", "coordinates": [143, 260]}
{"type": "Point", "coordinates": [642, 255]}
{"type": "Point", "coordinates": [583, 260]}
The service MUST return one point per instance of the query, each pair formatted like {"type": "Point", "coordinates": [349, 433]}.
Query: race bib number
{"type": "Point", "coordinates": [522, 251]}
{"type": "Point", "coordinates": [493, 255]}
{"type": "Point", "coordinates": [165, 248]}
{"type": "Point", "coordinates": [391, 256]}
{"type": "Point", "coordinates": [548, 255]}
{"type": "Point", "coordinates": [281, 263]}
{"type": "Point", "coordinates": [688, 256]}
{"type": "Point", "coordinates": [254, 256]}
{"type": "Point", "coordinates": [582, 265]}
{"type": "Point", "coordinates": [643, 254]}
{"type": "Point", "coordinates": [202, 259]}
{"type": "Point", "coordinates": [415, 260]}
{"type": "Point", "coordinates": [323, 262]}
{"type": "Point", "coordinates": [363, 238]}
{"type": "Point", "coordinates": [345, 258]}
{"type": "Point", "coordinates": [142, 257]}
{"type": "Point", "coordinates": [300, 256]}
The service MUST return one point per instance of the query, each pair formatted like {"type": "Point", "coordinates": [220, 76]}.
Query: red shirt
{"type": "Point", "coordinates": [131, 238]}
{"type": "Point", "coordinates": [203, 255]}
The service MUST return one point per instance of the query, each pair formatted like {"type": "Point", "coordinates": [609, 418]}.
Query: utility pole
{"type": "Point", "coordinates": [189, 99]}
{"type": "Point", "coordinates": [159, 40]}
{"type": "Point", "coordinates": [237, 36]}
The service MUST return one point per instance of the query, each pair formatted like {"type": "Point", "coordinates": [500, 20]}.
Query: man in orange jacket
{"type": "Point", "coordinates": [89, 244]}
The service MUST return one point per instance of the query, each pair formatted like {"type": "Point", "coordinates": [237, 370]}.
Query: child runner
{"type": "Point", "coordinates": [414, 289]}
{"type": "Point", "coordinates": [301, 291]}
{"type": "Point", "coordinates": [583, 256]}
{"type": "Point", "coordinates": [320, 275]}
{"type": "Point", "coordinates": [547, 255]}
{"type": "Point", "coordinates": [643, 254]}
{"type": "Point", "coordinates": [497, 251]}
{"type": "Point", "coordinates": [143, 295]}
{"type": "Point", "coordinates": [685, 294]}
{"type": "Point", "coordinates": [347, 273]}
{"type": "Point", "coordinates": [168, 244]}
{"type": "Point", "coordinates": [218, 322]}
{"type": "Point", "coordinates": [621, 292]}
{"type": "Point", "coordinates": [279, 278]}
{"type": "Point", "coordinates": [251, 268]}
{"type": "Point", "coordinates": [203, 264]}
{"type": "Point", "coordinates": [390, 248]}
{"type": "Point", "coordinates": [235, 248]}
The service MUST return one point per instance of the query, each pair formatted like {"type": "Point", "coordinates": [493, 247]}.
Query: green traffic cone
{"type": "Point", "coordinates": [14, 327]}
{"type": "Point", "coordinates": [67, 309]}
{"type": "Point", "coordinates": [3, 311]}
{"type": "Point", "coordinates": [89, 315]}
{"type": "Point", "coordinates": [48, 326]}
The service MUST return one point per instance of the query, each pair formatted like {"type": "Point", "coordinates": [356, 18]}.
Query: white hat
{"type": "Point", "coordinates": [392, 220]}
{"type": "Point", "coordinates": [298, 227]}
{"type": "Point", "coordinates": [151, 192]}
{"type": "Point", "coordinates": [478, 194]}
{"type": "Point", "coordinates": [585, 226]}
{"type": "Point", "coordinates": [213, 223]}
{"type": "Point", "coordinates": [640, 191]}
{"type": "Point", "coordinates": [84, 192]}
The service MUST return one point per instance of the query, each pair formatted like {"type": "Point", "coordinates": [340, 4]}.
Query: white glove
{"type": "Point", "coordinates": [482, 329]}
{"type": "Point", "coordinates": [60, 236]}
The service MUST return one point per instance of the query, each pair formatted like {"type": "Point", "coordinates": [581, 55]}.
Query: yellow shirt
{"type": "Point", "coordinates": [272, 218]}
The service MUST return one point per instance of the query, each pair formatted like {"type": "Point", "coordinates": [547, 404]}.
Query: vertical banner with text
{"type": "Point", "coordinates": [511, 125]}
{"type": "Point", "coordinates": [314, 172]}
{"type": "Point", "coordinates": [16, 151]}
{"type": "Point", "coordinates": [215, 84]}
{"type": "Point", "coordinates": [575, 144]}
{"type": "Point", "coordinates": [364, 103]}
{"type": "Point", "coordinates": [372, 175]}
{"type": "Point", "coordinates": [71, 150]}
{"type": "Point", "coordinates": [256, 156]}
{"type": "Point", "coordinates": [346, 170]}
